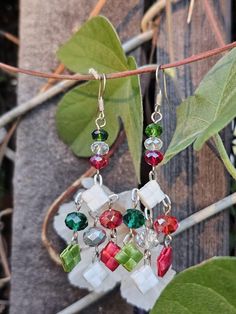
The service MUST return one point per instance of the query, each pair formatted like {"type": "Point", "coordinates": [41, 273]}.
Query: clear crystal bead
{"type": "Point", "coordinates": [100, 148]}
{"type": "Point", "coordinates": [153, 143]}
{"type": "Point", "coordinates": [94, 236]}
{"type": "Point", "coordinates": [147, 239]}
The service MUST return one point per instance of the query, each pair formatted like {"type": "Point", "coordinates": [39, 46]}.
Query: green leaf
{"type": "Point", "coordinates": [209, 110]}
{"type": "Point", "coordinates": [96, 45]}
{"type": "Point", "coordinates": [203, 289]}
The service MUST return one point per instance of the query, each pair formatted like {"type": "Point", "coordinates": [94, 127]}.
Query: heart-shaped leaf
{"type": "Point", "coordinates": [96, 45]}
{"type": "Point", "coordinates": [203, 289]}
{"type": "Point", "coordinates": [209, 110]}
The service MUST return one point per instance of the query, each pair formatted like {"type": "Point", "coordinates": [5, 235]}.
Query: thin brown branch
{"type": "Point", "coordinates": [190, 11]}
{"type": "Point", "coordinates": [97, 9]}
{"type": "Point", "coordinates": [213, 23]}
{"type": "Point", "coordinates": [6, 140]}
{"type": "Point", "coordinates": [10, 37]}
{"type": "Point", "coordinates": [52, 210]}
{"type": "Point", "coordinates": [141, 70]}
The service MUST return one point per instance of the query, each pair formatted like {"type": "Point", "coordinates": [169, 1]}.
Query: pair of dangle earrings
{"type": "Point", "coordinates": [146, 231]}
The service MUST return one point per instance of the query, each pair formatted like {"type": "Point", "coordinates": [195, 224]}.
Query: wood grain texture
{"type": "Point", "coordinates": [194, 179]}
{"type": "Point", "coordinates": [45, 166]}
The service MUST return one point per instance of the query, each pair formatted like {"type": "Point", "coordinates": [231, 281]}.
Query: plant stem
{"type": "Point", "coordinates": [224, 156]}
{"type": "Point", "coordinates": [141, 70]}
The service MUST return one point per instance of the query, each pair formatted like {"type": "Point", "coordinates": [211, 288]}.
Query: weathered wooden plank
{"type": "Point", "coordinates": [194, 180]}
{"type": "Point", "coordinates": [44, 165]}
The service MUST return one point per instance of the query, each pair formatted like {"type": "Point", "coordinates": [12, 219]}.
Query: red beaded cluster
{"type": "Point", "coordinates": [111, 219]}
{"type": "Point", "coordinates": [165, 224]}
{"type": "Point", "coordinates": [99, 162]}
{"type": "Point", "coordinates": [108, 254]}
{"type": "Point", "coordinates": [153, 157]}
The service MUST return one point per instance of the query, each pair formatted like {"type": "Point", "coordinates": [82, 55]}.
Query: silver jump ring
{"type": "Point", "coordinates": [148, 213]}
{"type": "Point", "coordinates": [135, 197]}
{"type": "Point", "coordinates": [74, 239]}
{"type": "Point", "coordinates": [167, 240]}
{"type": "Point", "coordinates": [156, 116]}
{"type": "Point", "coordinates": [98, 179]}
{"type": "Point", "coordinates": [113, 198]}
{"type": "Point", "coordinates": [100, 122]}
{"type": "Point", "coordinates": [152, 175]}
{"type": "Point", "coordinates": [78, 199]}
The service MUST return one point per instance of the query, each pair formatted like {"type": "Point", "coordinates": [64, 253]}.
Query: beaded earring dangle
{"type": "Point", "coordinates": [100, 208]}
{"type": "Point", "coordinates": [150, 232]}
{"type": "Point", "coordinates": [146, 234]}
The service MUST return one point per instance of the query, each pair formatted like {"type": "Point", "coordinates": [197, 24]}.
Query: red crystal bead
{"type": "Point", "coordinates": [98, 162]}
{"type": "Point", "coordinates": [107, 255]}
{"type": "Point", "coordinates": [164, 261]}
{"type": "Point", "coordinates": [166, 224]}
{"type": "Point", "coordinates": [111, 219]}
{"type": "Point", "coordinates": [153, 157]}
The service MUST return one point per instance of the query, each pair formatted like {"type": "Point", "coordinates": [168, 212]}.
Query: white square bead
{"type": "Point", "coordinates": [151, 194]}
{"type": "Point", "coordinates": [144, 278]}
{"type": "Point", "coordinates": [95, 197]}
{"type": "Point", "coordinates": [95, 274]}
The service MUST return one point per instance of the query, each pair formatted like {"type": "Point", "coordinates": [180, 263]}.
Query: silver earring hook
{"type": "Point", "coordinates": [157, 115]}
{"type": "Point", "coordinates": [100, 121]}
{"type": "Point", "coordinates": [102, 85]}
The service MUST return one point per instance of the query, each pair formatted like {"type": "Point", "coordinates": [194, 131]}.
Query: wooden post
{"type": "Point", "coordinates": [194, 179]}
{"type": "Point", "coordinates": [44, 165]}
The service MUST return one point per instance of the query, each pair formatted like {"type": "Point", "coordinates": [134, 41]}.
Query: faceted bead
{"type": "Point", "coordinates": [147, 239]}
{"type": "Point", "coordinates": [153, 157]}
{"type": "Point", "coordinates": [153, 129]}
{"type": "Point", "coordinates": [76, 221]}
{"type": "Point", "coordinates": [111, 219]}
{"type": "Point", "coordinates": [164, 261]}
{"type": "Point", "coordinates": [95, 274]}
{"type": "Point", "coordinates": [100, 148]}
{"type": "Point", "coordinates": [129, 256]}
{"type": "Point", "coordinates": [153, 143]}
{"type": "Point", "coordinates": [133, 218]}
{"type": "Point", "coordinates": [70, 257]}
{"type": "Point", "coordinates": [94, 236]}
{"type": "Point", "coordinates": [100, 135]}
{"type": "Point", "coordinates": [166, 224]}
{"type": "Point", "coordinates": [107, 255]}
{"type": "Point", "coordinates": [98, 162]}
{"type": "Point", "coordinates": [144, 278]}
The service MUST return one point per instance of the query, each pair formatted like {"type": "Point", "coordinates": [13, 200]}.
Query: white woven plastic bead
{"type": "Point", "coordinates": [151, 194]}
{"type": "Point", "coordinates": [95, 197]}
{"type": "Point", "coordinates": [144, 278]}
{"type": "Point", "coordinates": [95, 274]}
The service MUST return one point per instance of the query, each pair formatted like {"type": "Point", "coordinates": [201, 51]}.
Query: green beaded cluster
{"type": "Point", "coordinates": [129, 256]}
{"type": "Point", "coordinates": [76, 221]}
{"type": "Point", "coordinates": [133, 218]}
{"type": "Point", "coordinates": [99, 135]}
{"type": "Point", "coordinates": [70, 257]}
{"type": "Point", "coordinates": [153, 129]}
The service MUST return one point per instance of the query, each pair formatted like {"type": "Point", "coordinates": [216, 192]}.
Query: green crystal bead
{"type": "Point", "coordinates": [133, 218]}
{"type": "Point", "coordinates": [100, 135]}
{"type": "Point", "coordinates": [76, 221]}
{"type": "Point", "coordinates": [129, 256]}
{"type": "Point", "coordinates": [153, 129]}
{"type": "Point", "coordinates": [70, 257]}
